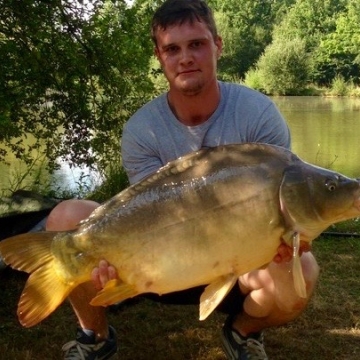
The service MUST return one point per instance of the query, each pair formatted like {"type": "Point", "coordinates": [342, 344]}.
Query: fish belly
{"type": "Point", "coordinates": [197, 251]}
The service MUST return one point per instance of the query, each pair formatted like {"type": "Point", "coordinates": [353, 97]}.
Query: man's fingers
{"type": "Point", "coordinates": [285, 252]}
{"type": "Point", "coordinates": [102, 274]}
{"type": "Point", "coordinates": [112, 273]}
{"type": "Point", "coordinates": [96, 278]}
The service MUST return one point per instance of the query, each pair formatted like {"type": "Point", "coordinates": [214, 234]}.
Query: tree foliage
{"type": "Point", "coordinates": [310, 20]}
{"type": "Point", "coordinates": [329, 30]}
{"type": "Point", "coordinates": [246, 27]}
{"type": "Point", "coordinates": [338, 53]}
{"type": "Point", "coordinates": [70, 75]}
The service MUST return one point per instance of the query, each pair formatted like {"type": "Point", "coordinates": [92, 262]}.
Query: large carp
{"type": "Point", "coordinates": [205, 218]}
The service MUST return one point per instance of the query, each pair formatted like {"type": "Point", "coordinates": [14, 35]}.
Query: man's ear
{"type": "Point", "coordinates": [156, 52]}
{"type": "Point", "coordinates": [157, 55]}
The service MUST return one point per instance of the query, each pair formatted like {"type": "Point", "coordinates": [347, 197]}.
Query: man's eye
{"type": "Point", "coordinates": [171, 49]}
{"type": "Point", "coordinates": [196, 44]}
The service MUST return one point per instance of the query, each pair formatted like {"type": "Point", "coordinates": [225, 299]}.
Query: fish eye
{"type": "Point", "coordinates": [331, 185]}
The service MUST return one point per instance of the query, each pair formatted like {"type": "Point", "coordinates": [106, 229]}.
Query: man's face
{"type": "Point", "coordinates": [188, 55]}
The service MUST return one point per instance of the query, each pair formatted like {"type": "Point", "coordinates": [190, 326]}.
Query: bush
{"type": "Point", "coordinates": [339, 86]}
{"type": "Point", "coordinates": [284, 67]}
{"type": "Point", "coordinates": [114, 180]}
{"type": "Point", "coordinates": [253, 79]}
{"type": "Point", "coordinates": [355, 91]}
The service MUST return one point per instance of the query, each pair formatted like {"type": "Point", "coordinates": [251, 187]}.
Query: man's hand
{"type": "Point", "coordinates": [285, 252]}
{"type": "Point", "coordinates": [102, 274]}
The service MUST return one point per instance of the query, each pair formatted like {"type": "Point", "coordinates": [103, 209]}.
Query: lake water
{"type": "Point", "coordinates": [65, 179]}
{"type": "Point", "coordinates": [325, 132]}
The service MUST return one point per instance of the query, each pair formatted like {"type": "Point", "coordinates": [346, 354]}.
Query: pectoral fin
{"type": "Point", "coordinates": [214, 293]}
{"type": "Point", "coordinates": [113, 292]}
{"type": "Point", "coordinates": [299, 281]}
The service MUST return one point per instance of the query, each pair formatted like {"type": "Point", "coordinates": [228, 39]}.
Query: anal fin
{"type": "Point", "coordinates": [214, 293]}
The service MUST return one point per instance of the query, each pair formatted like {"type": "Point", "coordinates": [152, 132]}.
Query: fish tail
{"type": "Point", "coordinates": [44, 291]}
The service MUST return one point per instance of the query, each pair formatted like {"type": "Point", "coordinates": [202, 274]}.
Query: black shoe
{"type": "Point", "coordinates": [85, 347]}
{"type": "Point", "coordinates": [237, 347]}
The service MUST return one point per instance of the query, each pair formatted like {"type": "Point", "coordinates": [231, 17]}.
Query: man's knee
{"type": "Point", "coordinates": [68, 214]}
{"type": "Point", "coordinates": [275, 285]}
{"type": "Point", "coordinates": [291, 301]}
{"type": "Point", "coordinates": [310, 270]}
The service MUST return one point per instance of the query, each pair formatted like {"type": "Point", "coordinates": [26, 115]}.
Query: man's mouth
{"type": "Point", "coordinates": [187, 72]}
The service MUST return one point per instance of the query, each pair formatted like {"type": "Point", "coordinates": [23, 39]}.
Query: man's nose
{"type": "Point", "coordinates": [186, 56]}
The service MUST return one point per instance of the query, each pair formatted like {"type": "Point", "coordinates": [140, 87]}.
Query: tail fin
{"type": "Point", "coordinates": [45, 290]}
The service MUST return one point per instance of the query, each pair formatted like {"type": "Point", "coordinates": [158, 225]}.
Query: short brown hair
{"type": "Point", "coordinates": [177, 12]}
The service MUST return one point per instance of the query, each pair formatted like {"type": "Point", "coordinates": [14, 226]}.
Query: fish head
{"type": "Point", "coordinates": [313, 198]}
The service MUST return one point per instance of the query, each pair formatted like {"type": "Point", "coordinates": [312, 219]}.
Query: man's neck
{"type": "Point", "coordinates": [194, 109]}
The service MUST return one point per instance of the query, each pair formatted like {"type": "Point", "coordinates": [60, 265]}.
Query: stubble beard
{"type": "Point", "coordinates": [191, 89]}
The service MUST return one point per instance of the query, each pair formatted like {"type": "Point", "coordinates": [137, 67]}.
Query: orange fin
{"type": "Point", "coordinates": [27, 252]}
{"type": "Point", "coordinates": [214, 293]}
{"type": "Point", "coordinates": [113, 292]}
{"type": "Point", "coordinates": [44, 291]}
{"type": "Point", "coordinates": [42, 294]}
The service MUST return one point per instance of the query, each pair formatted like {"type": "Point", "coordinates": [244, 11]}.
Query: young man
{"type": "Point", "coordinates": [198, 111]}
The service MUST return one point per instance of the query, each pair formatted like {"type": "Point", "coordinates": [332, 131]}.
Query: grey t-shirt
{"type": "Point", "coordinates": [153, 136]}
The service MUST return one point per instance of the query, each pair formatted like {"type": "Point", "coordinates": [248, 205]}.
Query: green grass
{"type": "Point", "coordinates": [348, 227]}
{"type": "Point", "coordinates": [328, 329]}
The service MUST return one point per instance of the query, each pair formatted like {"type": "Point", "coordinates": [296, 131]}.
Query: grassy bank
{"type": "Point", "coordinates": [328, 329]}
{"type": "Point", "coordinates": [338, 87]}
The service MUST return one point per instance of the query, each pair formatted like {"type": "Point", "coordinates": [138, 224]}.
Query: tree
{"type": "Point", "coordinates": [245, 26]}
{"type": "Point", "coordinates": [310, 20]}
{"type": "Point", "coordinates": [338, 53]}
{"type": "Point", "coordinates": [71, 75]}
{"type": "Point", "coordinates": [284, 67]}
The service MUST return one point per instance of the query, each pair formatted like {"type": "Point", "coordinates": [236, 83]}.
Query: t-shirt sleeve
{"type": "Point", "coordinates": [138, 156]}
{"type": "Point", "coordinates": [272, 128]}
